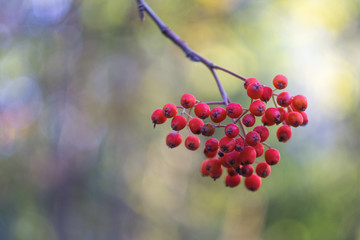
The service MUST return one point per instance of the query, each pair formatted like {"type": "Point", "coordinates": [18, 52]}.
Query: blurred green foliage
{"type": "Point", "coordinates": [80, 159]}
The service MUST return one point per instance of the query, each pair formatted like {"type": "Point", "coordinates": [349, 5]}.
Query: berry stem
{"type": "Point", "coordinates": [191, 54]}
{"type": "Point", "coordinates": [273, 98]}
{"type": "Point", "coordinates": [229, 72]}
{"type": "Point", "coordinates": [215, 103]}
{"type": "Point", "coordinates": [266, 144]}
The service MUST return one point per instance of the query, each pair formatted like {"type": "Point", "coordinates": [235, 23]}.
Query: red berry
{"type": "Point", "coordinates": [263, 132]}
{"type": "Point", "coordinates": [217, 174]}
{"type": "Point", "coordinates": [232, 181]}
{"type": "Point", "coordinates": [284, 99]}
{"type": "Point", "coordinates": [195, 125]}
{"type": "Point", "coordinates": [231, 171]}
{"type": "Point", "coordinates": [187, 100]}
{"type": "Point", "coordinates": [253, 182]}
{"type": "Point", "coordinates": [239, 144]}
{"type": "Point", "coordinates": [212, 144]}
{"type": "Point", "coordinates": [225, 161]}
{"type": "Point", "coordinates": [210, 154]}
{"type": "Point", "coordinates": [299, 103]}
{"type": "Point", "coordinates": [234, 110]}
{"type": "Point", "coordinates": [252, 138]}
{"type": "Point", "coordinates": [259, 149]}
{"type": "Point", "coordinates": [280, 81]}
{"type": "Point", "coordinates": [217, 114]}
{"type": "Point", "coordinates": [213, 165]}
{"type": "Point", "coordinates": [173, 139]}
{"type": "Point", "coordinates": [257, 108]}
{"type": "Point", "coordinates": [305, 119]}
{"type": "Point", "coordinates": [203, 170]}
{"type": "Point", "coordinates": [247, 155]}
{"type": "Point", "coordinates": [249, 81]}
{"type": "Point", "coordinates": [192, 142]}
{"type": "Point", "coordinates": [231, 130]}
{"type": "Point", "coordinates": [227, 144]}
{"type": "Point", "coordinates": [248, 120]}
{"type": "Point", "coordinates": [231, 159]}
{"type": "Point", "coordinates": [283, 133]}
{"type": "Point", "coordinates": [254, 90]}
{"type": "Point", "coordinates": [272, 156]}
{"type": "Point", "coordinates": [158, 117]}
{"type": "Point", "coordinates": [273, 115]}
{"type": "Point", "coordinates": [263, 169]}
{"type": "Point", "coordinates": [169, 110]}
{"type": "Point", "coordinates": [266, 121]}
{"type": "Point", "coordinates": [294, 119]}
{"type": "Point", "coordinates": [246, 170]}
{"type": "Point", "coordinates": [267, 94]}
{"type": "Point", "coordinates": [202, 110]}
{"type": "Point", "coordinates": [283, 114]}
{"type": "Point", "coordinates": [178, 122]}
{"type": "Point", "coordinates": [208, 129]}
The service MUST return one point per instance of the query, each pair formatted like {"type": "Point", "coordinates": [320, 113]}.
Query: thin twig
{"type": "Point", "coordinates": [191, 54]}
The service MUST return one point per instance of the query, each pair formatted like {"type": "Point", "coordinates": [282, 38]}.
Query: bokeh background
{"type": "Point", "coordinates": [79, 158]}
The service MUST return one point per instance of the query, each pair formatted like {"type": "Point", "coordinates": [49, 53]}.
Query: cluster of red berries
{"type": "Point", "coordinates": [238, 150]}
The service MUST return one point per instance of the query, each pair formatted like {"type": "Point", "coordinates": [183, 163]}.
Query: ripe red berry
{"type": "Point", "coordinates": [187, 100]}
{"type": "Point", "coordinates": [217, 114]}
{"type": "Point", "coordinates": [217, 174]}
{"type": "Point", "coordinates": [280, 81]}
{"type": "Point", "coordinates": [231, 130]}
{"type": "Point", "coordinates": [299, 103]}
{"type": "Point", "coordinates": [257, 108]}
{"type": "Point", "coordinates": [173, 139]}
{"type": "Point", "coordinates": [254, 90]}
{"type": "Point", "coordinates": [202, 110]}
{"type": "Point", "coordinates": [232, 181]}
{"type": "Point", "coordinates": [249, 81]}
{"type": "Point", "coordinates": [178, 122]}
{"type": "Point", "coordinates": [158, 117]}
{"type": "Point", "coordinates": [263, 132]}
{"type": "Point", "coordinates": [305, 119]}
{"type": "Point", "coordinates": [234, 110]}
{"type": "Point", "coordinates": [272, 156]}
{"type": "Point", "coordinates": [263, 169]}
{"type": "Point", "coordinates": [232, 159]}
{"type": "Point", "coordinates": [266, 121]}
{"type": "Point", "coordinates": [252, 138]}
{"type": "Point", "coordinates": [169, 110]}
{"type": "Point", "coordinates": [212, 144]}
{"type": "Point", "coordinates": [248, 120]}
{"type": "Point", "coordinates": [195, 125]}
{"type": "Point", "coordinates": [192, 142]}
{"type": "Point", "coordinates": [210, 154]}
{"type": "Point", "coordinates": [231, 171]}
{"type": "Point", "coordinates": [253, 182]}
{"type": "Point", "coordinates": [283, 114]}
{"type": "Point", "coordinates": [267, 94]}
{"type": "Point", "coordinates": [239, 144]}
{"type": "Point", "coordinates": [227, 144]}
{"type": "Point", "coordinates": [273, 115]}
{"type": "Point", "coordinates": [294, 119]}
{"type": "Point", "coordinates": [259, 149]}
{"type": "Point", "coordinates": [203, 170]}
{"type": "Point", "coordinates": [213, 165]}
{"type": "Point", "coordinates": [247, 155]}
{"type": "Point", "coordinates": [284, 99]}
{"type": "Point", "coordinates": [246, 170]}
{"type": "Point", "coordinates": [284, 133]}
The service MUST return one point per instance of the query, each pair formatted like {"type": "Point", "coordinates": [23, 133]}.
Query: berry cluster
{"type": "Point", "coordinates": [240, 147]}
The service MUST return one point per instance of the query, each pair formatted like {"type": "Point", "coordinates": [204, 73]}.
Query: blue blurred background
{"type": "Point", "coordinates": [79, 158]}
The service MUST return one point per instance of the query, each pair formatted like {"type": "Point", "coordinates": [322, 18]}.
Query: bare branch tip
{"type": "Point", "coordinates": [141, 10]}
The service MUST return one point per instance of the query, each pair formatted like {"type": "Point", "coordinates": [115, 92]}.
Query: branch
{"type": "Point", "coordinates": [191, 54]}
